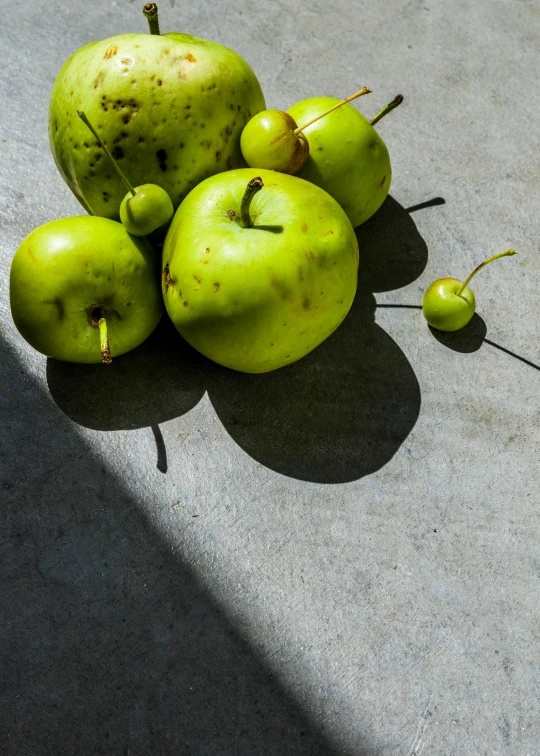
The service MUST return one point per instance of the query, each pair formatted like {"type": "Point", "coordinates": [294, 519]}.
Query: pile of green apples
{"type": "Point", "coordinates": [193, 206]}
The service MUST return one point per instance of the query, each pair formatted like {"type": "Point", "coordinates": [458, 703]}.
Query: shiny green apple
{"type": "Point", "coordinates": [170, 108]}
{"type": "Point", "coordinates": [347, 157]}
{"type": "Point", "coordinates": [257, 289]}
{"type": "Point", "coordinates": [69, 274]}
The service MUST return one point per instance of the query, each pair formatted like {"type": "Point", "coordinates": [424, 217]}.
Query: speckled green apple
{"type": "Point", "coordinates": [70, 273]}
{"type": "Point", "coordinates": [170, 108]}
{"type": "Point", "coordinates": [257, 298]}
{"type": "Point", "coordinates": [347, 157]}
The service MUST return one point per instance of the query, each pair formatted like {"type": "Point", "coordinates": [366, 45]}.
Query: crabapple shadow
{"type": "Point", "coordinates": [467, 339]}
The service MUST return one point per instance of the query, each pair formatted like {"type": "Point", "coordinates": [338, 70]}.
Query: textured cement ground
{"type": "Point", "coordinates": [341, 557]}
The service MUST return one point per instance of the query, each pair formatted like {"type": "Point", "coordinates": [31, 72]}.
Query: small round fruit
{"type": "Point", "coordinates": [449, 304]}
{"type": "Point", "coordinates": [269, 141]}
{"type": "Point", "coordinates": [444, 309]}
{"type": "Point", "coordinates": [147, 210]}
{"type": "Point", "coordinates": [69, 274]}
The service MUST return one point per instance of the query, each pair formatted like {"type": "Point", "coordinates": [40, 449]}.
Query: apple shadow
{"type": "Point", "coordinates": [154, 383]}
{"type": "Point", "coordinates": [335, 416]}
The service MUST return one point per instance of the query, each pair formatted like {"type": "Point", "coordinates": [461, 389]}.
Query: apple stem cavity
{"type": "Point", "coordinates": [150, 10]}
{"type": "Point", "coordinates": [360, 92]}
{"type": "Point", "coordinates": [508, 253]}
{"type": "Point", "coordinates": [398, 99]}
{"type": "Point", "coordinates": [104, 342]}
{"type": "Point", "coordinates": [254, 186]}
{"type": "Point", "coordinates": [104, 147]}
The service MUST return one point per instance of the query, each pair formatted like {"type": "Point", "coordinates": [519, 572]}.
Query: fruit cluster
{"type": "Point", "coordinates": [258, 266]}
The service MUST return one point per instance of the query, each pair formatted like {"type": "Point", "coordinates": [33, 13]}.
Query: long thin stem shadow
{"type": "Point", "coordinates": [512, 354]}
{"type": "Point", "coordinates": [424, 205]}
{"type": "Point", "coordinates": [404, 306]}
{"type": "Point", "coordinates": [162, 465]}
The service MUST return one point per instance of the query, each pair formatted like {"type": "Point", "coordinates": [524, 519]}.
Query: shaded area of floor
{"type": "Point", "coordinates": [108, 643]}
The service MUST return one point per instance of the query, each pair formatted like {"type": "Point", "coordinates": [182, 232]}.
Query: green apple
{"type": "Point", "coordinates": [347, 157]}
{"type": "Point", "coordinates": [258, 286]}
{"type": "Point", "coordinates": [273, 140]}
{"type": "Point", "coordinates": [72, 273]}
{"type": "Point", "coordinates": [449, 304]}
{"type": "Point", "coordinates": [170, 108]}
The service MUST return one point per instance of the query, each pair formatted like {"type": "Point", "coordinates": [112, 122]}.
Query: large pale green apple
{"type": "Point", "coordinates": [69, 274]}
{"type": "Point", "coordinates": [347, 157]}
{"type": "Point", "coordinates": [170, 108]}
{"type": "Point", "coordinates": [255, 298]}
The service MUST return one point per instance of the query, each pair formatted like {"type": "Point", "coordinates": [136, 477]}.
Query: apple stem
{"type": "Point", "coordinates": [398, 99]}
{"type": "Point", "coordinates": [151, 12]}
{"type": "Point", "coordinates": [360, 92]}
{"type": "Point", "coordinates": [254, 186]}
{"type": "Point", "coordinates": [508, 253]}
{"type": "Point", "coordinates": [104, 342]}
{"type": "Point", "coordinates": [104, 147]}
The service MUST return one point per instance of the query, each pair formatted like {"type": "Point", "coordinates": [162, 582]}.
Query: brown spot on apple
{"type": "Point", "coordinates": [166, 278]}
{"type": "Point", "coordinates": [110, 51]}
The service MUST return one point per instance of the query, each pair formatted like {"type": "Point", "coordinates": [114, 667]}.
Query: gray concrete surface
{"type": "Point", "coordinates": [338, 558]}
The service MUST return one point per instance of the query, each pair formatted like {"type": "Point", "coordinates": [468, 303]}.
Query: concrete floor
{"type": "Point", "coordinates": [363, 571]}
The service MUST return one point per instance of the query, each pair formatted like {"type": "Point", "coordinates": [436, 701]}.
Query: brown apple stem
{"type": "Point", "coordinates": [104, 342]}
{"type": "Point", "coordinates": [508, 253]}
{"type": "Point", "coordinates": [398, 99]}
{"type": "Point", "coordinates": [360, 92]}
{"type": "Point", "coordinates": [254, 186]}
{"type": "Point", "coordinates": [105, 149]}
{"type": "Point", "coordinates": [151, 12]}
